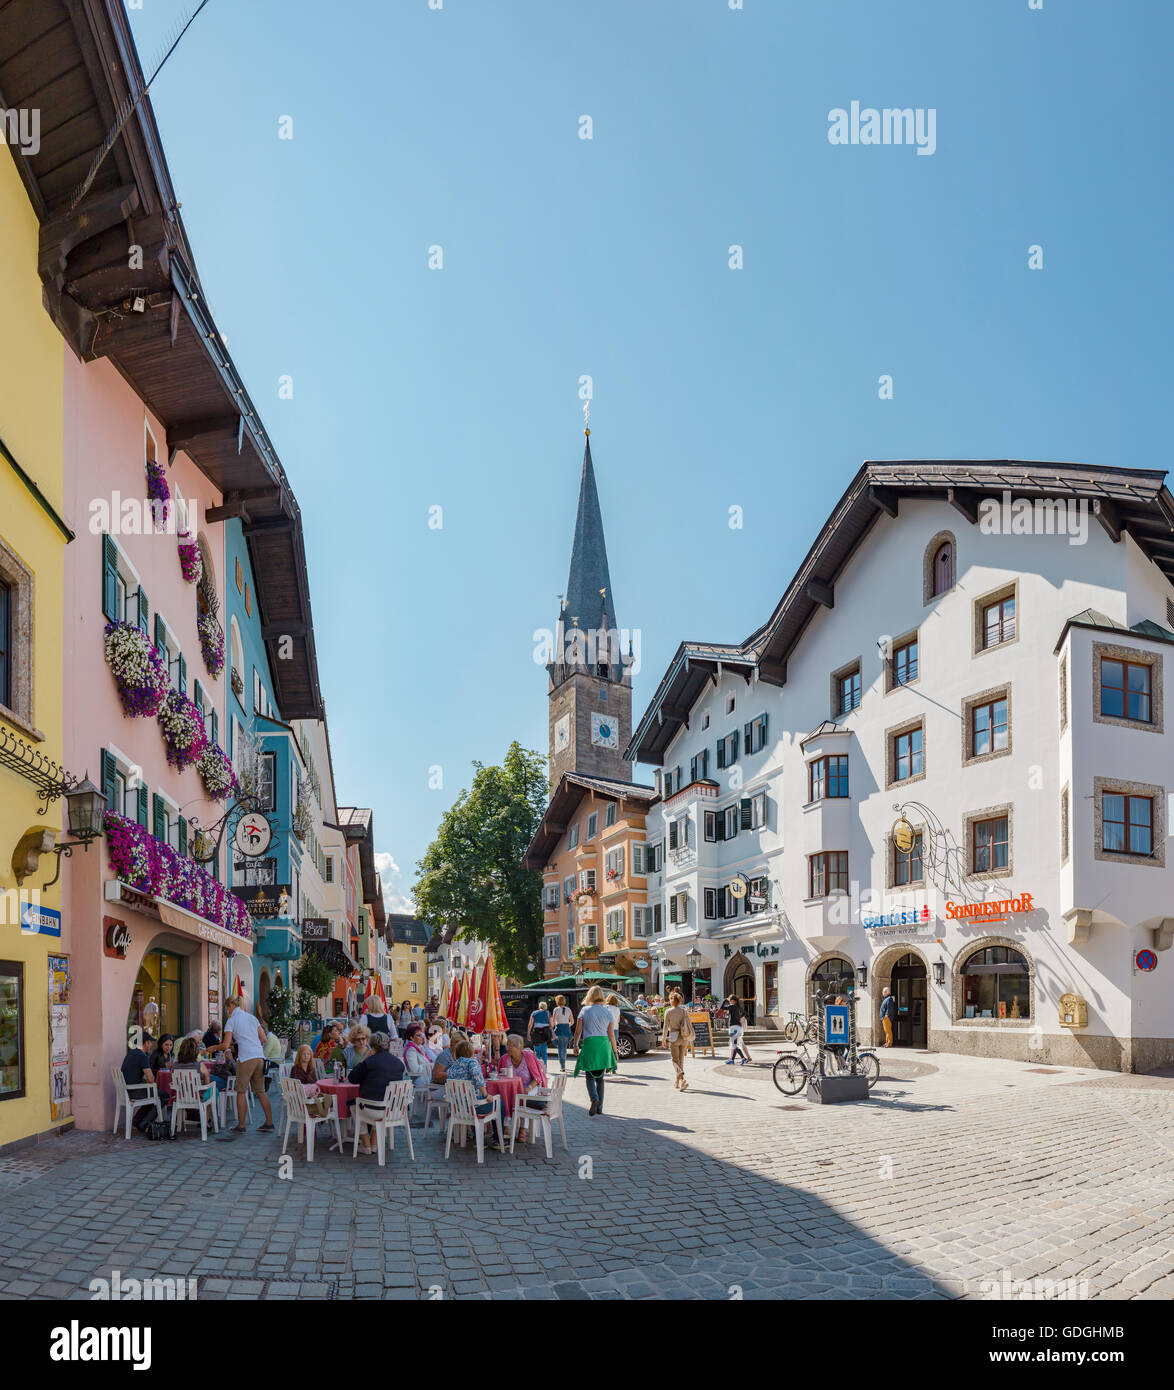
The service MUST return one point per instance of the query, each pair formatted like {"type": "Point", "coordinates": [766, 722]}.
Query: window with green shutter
{"type": "Point", "coordinates": [183, 675]}
{"type": "Point", "coordinates": [143, 807]}
{"type": "Point", "coordinates": [110, 579]}
{"type": "Point", "coordinates": [198, 696]}
{"type": "Point", "coordinates": [109, 789]}
{"type": "Point", "coordinates": [161, 636]}
{"type": "Point", "coordinates": [183, 836]}
{"type": "Point", "coordinates": [215, 728]}
{"type": "Point", "coordinates": [158, 817]}
{"type": "Point", "coordinates": [144, 611]}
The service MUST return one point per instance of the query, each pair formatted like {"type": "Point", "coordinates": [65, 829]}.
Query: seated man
{"type": "Point", "coordinates": [373, 1075]}
{"type": "Point", "coordinates": [137, 1073]}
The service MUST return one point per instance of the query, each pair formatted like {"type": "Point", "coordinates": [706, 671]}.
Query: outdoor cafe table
{"type": "Point", "coordinates": [346, 1091]}
{"type": "Point", "coordinates": [509, 1088]}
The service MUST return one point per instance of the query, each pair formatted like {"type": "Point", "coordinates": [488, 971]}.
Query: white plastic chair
{"type": "Point", "coordinates": [435, 1104]}
{"type": "Point", "coordinates": [193, 1094]}
{"type": "Point", "coordinates": [462, 1098]}
{"type": "Point", "coordinates": [293, 1093]}
{"type": "Point", "coordinates": [384, 1117]}
{"type": "Point", "coordinates": [229, 1093]}
{"type": "Point", "coordinates": [527, 1113]}
{"type": "Point", "coordinates": [319, 1069]}
{"type": "Point", "coordinates": [146, 1093]}
{"type": "Point", "coordinates": [284, 1070]}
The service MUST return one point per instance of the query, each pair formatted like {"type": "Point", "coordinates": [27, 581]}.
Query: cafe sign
{"type": "Point", "coordinates": [253, 835]}
{"type": "Point", "coordinates": [117, 939]}
{"type": "Point", "coordinates": [265, 901]}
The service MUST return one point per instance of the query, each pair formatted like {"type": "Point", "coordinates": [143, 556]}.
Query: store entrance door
{"type": "Point", "coordinates": [910, 1027]}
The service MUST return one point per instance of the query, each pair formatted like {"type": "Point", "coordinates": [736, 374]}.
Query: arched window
{"type": "Point", "coordinates": [829, 978]}
{"type": "Point", "coordinates": [237, 656]}
{"type": "Point", "coordinates": [943, 568]}
{"type": "Point", "coordinates": [996, 983]}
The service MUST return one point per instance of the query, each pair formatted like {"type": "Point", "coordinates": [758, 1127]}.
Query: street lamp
{"type": "Point", "coordinates": [693, 959]}
{"type": "Point", "coordinates": [939, 972]}
{"type": "Point", "coordinates": [85, 809]}
{"type": "Point", "coordinates": [862, 975]}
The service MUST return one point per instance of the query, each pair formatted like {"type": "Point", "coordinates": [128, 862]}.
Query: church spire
{"type": "Point", "coordinates": [589, 573]}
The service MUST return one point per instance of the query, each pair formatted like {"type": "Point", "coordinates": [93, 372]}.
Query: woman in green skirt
{"type": "Point", "coordinates": [595, 1039]}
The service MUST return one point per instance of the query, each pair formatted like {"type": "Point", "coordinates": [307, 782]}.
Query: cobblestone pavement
{"type": "Point", "coordinates": [957, 1176]}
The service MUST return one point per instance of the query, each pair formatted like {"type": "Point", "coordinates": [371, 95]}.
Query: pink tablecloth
{"type": "Point", "coordinates": [346, 1091]}
{"type": "Point", "coordinates": [509, 1089]}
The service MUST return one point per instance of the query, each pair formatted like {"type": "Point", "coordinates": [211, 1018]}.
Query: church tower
{"type": "Point", "coordinates": [590, 686]}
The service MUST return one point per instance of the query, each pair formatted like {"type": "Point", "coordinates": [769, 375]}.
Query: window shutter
{"type": "Point", "coordinates": [733, 747]}
{"type": "Point", "coordinates": [183, 675]}
{"type": "Point", "coordinates": [158, 827]}
{"type": "Point", "coordinates": [215, 727]}
{"type": "Point", "coordinates": [748, 741]}
{"type": "Point", "coordinates": [764, 728]}
{"type": "Point", "coordinates": [720, 828]}
{"type": "Point", "coordinates": [109, 791]}
{"type": "Point", "coordinates": [110, 578]}
{"type": "Point", "coordinates": [710, 903]}
{"type": "Point", "coordinates": [673, 908]}
{"type": "Point", "coordinates": [721, 902]}
{"type": "Point", "coordinates": [160, 636]}
{"type": "Point", "coordinates": [672, 834]}
{"type": "Point", "coordinates": [198, 696]}
{"type": "Point", "coordinates": [183, 835]}
{"type": "Point", "coordinates": [746, 825]}
{"type": "Point", "coordinates": [143, 808]}
{"type": "Point", "coordinates": [721, 753]}
{"type": "Point", "coordinates": [144, 613]}
{"type": "Point", "coordinates": [693, 769]}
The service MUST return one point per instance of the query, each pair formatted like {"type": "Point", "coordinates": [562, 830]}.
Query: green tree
{"type": "Point", "coordinates": [472, 872]}
{"type": "Point", "coordinates": [314, 981]}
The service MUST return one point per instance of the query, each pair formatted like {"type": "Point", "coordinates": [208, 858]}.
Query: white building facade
{"type": "Point", "coordinates": [963, 782]}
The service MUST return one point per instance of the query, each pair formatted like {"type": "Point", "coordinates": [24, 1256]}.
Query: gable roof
{"type": "Point", "coordinates": [1133, 500]}
{"type": "Point", "coordinates": [570, 791]}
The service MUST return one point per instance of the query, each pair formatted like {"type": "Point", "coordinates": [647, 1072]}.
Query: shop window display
{"type": "Point", "coordinates": [996, 984]}
{"type": "Point", "coordinates": [11, 1030]}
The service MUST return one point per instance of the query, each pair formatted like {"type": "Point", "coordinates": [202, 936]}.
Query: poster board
{"type": "Point", "coordinates": [702, 1033]}
{"type": "Point", "coordinates": [60, 1086]}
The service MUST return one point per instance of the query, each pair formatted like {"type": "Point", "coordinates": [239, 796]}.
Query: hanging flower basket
{"type": "Point", "coordinates": [302, 820]}
{"type": "Point", "coordinates": [211, 642]}
{"type": "Point", "coordinates": [143, 862]}
{"type": "Point", "coordinates": [191, 562]}
{"type": "Point", "coordinates": [159, 493]}
{"type": "Point", "coordinates": [216, 772]}
{"type": "Point", "coordinates": [183, 730]}
{"type": "Point", "coordinates": [138, 667]}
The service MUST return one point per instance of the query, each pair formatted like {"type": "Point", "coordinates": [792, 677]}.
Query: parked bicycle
{"type": "Point", "coordinates": [794, 1070]}
{"type": "Point", "coordinates": [800, 1027]}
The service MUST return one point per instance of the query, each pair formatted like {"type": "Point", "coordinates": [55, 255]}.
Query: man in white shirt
{"type": "Point", "coordinates": [242, 1028]}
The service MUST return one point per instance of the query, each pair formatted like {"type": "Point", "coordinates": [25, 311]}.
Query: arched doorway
{"type": "Point", "coordinates": [831, 976]}
{"type": "Point", "coordinates": [903, 970]}
{"type": "Point", "coordinates": [739, 981]}
{"type": "Point", "coordinates": [263, 987]}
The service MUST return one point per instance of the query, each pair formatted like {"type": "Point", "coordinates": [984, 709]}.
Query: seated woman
{"type": "Point", "coordinates": [417, 1058]}
{"type": "Point", "coordinates": [331, 1038]}
{"type": "Point", "coordinates": [358, 1046]}
{"type": "Point", "coordinates": [303, 1067]}
{"type": "Point", "coordinates": [527, 1068]}
{"type": "Point", "coordinates": [163, 1059]}
{"type": "Point", "coordinates": [465, 1067]}
{"type": "Point", "coordinates": [189, 1060]}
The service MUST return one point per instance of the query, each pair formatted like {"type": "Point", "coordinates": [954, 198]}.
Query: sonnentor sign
{"type": "Point", "coordinates": [1003, 907]}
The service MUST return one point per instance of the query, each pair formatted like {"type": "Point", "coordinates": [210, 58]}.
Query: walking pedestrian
{"type": "Point", "coordinates": [888, 1011]}
{"type": "Point", "coordinates": [538, 1031]}
{"type": "Point", "coordinates": [563, 1027]}
{"type": "Point", "coordinates": [595, 1038]}
{"type": "Point", "coordinates": [737, 1030]}
{"type": "Point", "coordinates": [377, 1019]}
{"type": "Point", "coordinates": [677, 1036]}
{"type": "Point", "coordinates": [243, 1029]}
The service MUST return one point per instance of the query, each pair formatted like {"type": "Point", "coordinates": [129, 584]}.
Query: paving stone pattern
{"type": "Point", "coordinates": [957, 1171]}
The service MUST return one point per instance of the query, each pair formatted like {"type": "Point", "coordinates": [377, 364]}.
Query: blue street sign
{"type": "Point", "coordinates": [39, 921]}
{"type": "Point", "coordinates": [835, 1023]}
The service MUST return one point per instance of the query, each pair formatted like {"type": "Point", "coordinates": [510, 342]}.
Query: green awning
{"type": "Point", "coordinates": [589, 977]}
{"type": "Point", "coordinates": [675, 975]}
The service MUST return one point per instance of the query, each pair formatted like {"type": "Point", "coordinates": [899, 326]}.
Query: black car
{"type": "Point", "coordinates": [636, 1033]}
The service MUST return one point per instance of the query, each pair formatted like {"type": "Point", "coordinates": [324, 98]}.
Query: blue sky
{"type": "Point", "coordinates": [564, 257]}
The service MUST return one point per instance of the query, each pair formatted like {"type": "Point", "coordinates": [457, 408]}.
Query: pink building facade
{"type": "Point", "coordinates": [156, 948]}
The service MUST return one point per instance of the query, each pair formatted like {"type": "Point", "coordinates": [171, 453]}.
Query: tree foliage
{"type": "Point", "coordinates": [472, 876]}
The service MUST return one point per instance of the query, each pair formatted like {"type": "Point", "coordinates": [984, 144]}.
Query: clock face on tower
{"type": "Point", "coordinates": [562, 733]}
{"type": "Point", "coordinates": [604, 730]}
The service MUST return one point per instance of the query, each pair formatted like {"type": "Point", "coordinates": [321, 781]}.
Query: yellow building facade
{"type": "Point", "coordinates": [34, 1041]}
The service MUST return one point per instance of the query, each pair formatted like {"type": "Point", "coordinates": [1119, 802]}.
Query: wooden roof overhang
{"type": "Point", "coordinates": [694, 666]}
{"type": "Point", "coordinates": [74, 61]}
{"type": "Point", "coordinates": [1122, 500]}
